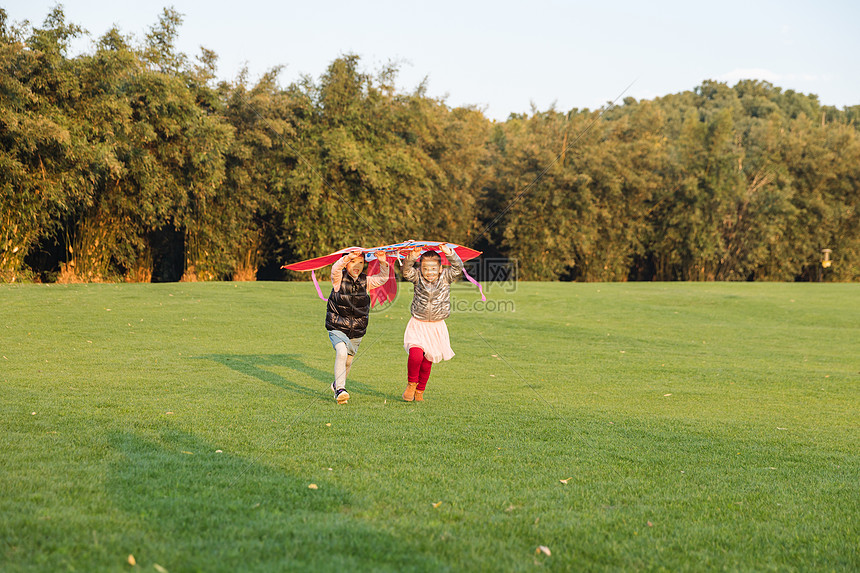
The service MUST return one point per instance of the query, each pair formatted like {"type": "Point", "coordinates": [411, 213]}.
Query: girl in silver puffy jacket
{"type": "Point", "coordinates": [426, 337]}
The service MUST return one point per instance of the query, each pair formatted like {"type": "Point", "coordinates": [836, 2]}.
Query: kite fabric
{"type": "Point", "coordinates": [396, 251]}
{"type": "Point", "coordinates": [384, 293]}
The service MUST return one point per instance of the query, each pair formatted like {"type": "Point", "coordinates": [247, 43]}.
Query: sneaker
{"type": "Point", "coordinates": [419, 395]}
{"type": "Point", "coordinates": [341, 396]}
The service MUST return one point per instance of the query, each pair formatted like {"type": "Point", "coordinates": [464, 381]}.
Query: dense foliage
{"type": "Point", "coordinates": [131, 162]}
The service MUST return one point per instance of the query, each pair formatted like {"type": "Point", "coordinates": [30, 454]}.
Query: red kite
{"type": "Point", "coordinates": [396, 251]}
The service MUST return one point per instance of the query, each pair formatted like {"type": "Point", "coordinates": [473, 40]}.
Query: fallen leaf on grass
{"type": "Point", "coordinates": [510, 508]}
{"type": "Point", "coordinates": [437, 504]}
{"type": "Point", "coordinates": [564, 481]}
{"type": "Point", "coordinates": [131, 560]}
{"type": "Point", "coordinates": [492, 375]}
{"type": "Point", "coordinates": [169, 413]}
{"type": "Point", "coordinates": [313, 486]}
{"type": "Point", "coordinates": [543, 549]}
{"type": "Point", "coordinates": [159, 568]}
{"type": "Point", "coordinates": [782, 428]}
{"type": "Point", "coordinates": [219, 452]}
{"type": "Point", "coordinates": [189, 453]}
{"type": "Point", "coordinates": [650, 524]}
{"type": "Point", "coordinates": [669, 394]}
{"type": "Point", "coordinates": [328, 424]}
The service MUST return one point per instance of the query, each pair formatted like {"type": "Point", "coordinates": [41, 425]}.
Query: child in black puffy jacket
{"type": "Point", "coordinates": [347, 312]}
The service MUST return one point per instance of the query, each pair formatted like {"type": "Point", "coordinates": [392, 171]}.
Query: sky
{"type": "Point", "coordinates": [511, 56]}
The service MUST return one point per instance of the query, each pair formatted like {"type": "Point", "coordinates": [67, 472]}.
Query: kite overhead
{"type": "Point", "coordinates": [395, 251]}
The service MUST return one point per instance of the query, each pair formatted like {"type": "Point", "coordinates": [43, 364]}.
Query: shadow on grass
{"type": "Point", "coordinates": [258, 366]}
{"type": "Point", "coordinates": [190, 508]}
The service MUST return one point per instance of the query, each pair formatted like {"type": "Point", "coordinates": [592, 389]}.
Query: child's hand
{"type": "Point", "coordinates": [446, 249]}
{"type": "Point", "coordinates": [354, 255]}
{"type": "Point", "coordinates": [416, 252]}
{"type": "Point", "coordinates": [380, 255]}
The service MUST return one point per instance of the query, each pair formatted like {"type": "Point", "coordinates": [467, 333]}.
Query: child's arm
{"type": "Point", "coordinates": [456, 269]}
{"type": "Point", "coordinates": [408, 271]}
{"type": "Point", "coordinates": [381, 277]}
{"type": "Point", "coordinates": [337, 270]}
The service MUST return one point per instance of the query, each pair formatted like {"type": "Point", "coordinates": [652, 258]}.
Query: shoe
{"type": "Point", "coordinates": [342, 396]}
{"type": "Point", "coordinates": [409, 393]}
{"type": "Point", "coordinates": [419, 395]}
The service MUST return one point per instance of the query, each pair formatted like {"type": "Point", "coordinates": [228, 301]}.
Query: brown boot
{"type": "Point", "coordinates": [409, 393]}
{"type": "Point", "coordinates": [419, 395]}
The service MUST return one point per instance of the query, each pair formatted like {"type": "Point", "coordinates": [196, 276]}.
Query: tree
{"type": "Point", "coordinates": [42, 156]}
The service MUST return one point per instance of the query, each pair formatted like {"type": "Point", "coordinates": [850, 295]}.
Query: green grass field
{"type": "Point", "coordinates": [697, 427]}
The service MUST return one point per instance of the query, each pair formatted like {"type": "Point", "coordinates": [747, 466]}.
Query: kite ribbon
{"type": "Point", "coordinates": [476, 283]}
{"type": "Point", "coordinates": [317, 285]}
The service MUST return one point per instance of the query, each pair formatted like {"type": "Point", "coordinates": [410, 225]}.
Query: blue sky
{"type": "Point", "coordinates": [504, 56]}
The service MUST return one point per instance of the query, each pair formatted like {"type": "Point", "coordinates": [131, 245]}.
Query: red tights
{"type": "Point", "coordinates": [418, 368]}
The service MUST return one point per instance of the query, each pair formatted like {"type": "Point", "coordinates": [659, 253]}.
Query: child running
{"type": "Point", "coordinates": [347, 312]}
{"type": "Point", "coordinates": [426, 337]}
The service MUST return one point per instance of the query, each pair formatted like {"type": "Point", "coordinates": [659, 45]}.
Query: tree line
{"type": "Point", "coordinates": [131, 162]}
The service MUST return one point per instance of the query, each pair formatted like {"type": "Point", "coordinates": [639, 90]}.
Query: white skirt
{"type": "Point", "coordinates": [432, 337]}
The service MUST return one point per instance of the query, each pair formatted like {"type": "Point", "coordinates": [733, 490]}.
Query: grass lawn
{"type": "Point", "coordinates": [667, 426]}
